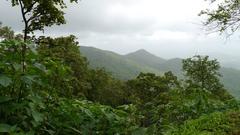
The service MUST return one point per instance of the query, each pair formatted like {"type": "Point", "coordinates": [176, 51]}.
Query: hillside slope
{"type": "Point", "coordinates": [114, 63]}
{"type": "Point", "coordinates": [145, 58]}
{"type": "Point", "coordinates": [129, 66]}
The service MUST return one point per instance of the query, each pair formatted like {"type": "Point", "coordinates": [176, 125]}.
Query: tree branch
{"type": "Point", "coordinates": [30, 8]}
{"type": "Point", "coordinates": [24, 19]}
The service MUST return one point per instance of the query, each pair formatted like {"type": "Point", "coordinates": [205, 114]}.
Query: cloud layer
{"type": "Point", "coordinates": [169, 28]}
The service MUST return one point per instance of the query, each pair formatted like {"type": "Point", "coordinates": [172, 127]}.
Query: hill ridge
{"type": "Point", "coordinates": [128, 66]}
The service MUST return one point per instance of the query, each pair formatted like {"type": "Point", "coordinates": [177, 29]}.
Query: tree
{"type": "Point", "coordinates": [105, 89]}
{"type": "Point", "coordinates": [149, 91]}
{"type": "Point", "coordinates": [202, 72]}
{"type": "Point", "coordinates": [6, 32]}
{"type": "Point", "coordinates": [66, 50]}
{"type": "Point", "coordinates": [226, 17]}
{"type": "Point", "coordinates": [37, 14]}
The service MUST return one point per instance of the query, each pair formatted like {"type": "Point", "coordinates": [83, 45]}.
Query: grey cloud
{"type": "Point", "coordinates": [95, 25]}
{"type": "Point", "coordinates": [10, 16]}
{"type": "Point", "coordinates": [91, 16]}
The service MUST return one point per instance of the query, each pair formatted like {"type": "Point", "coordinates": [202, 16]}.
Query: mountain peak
{"type": "Point", "coordinates": [144, 57]}
{"type": "Point", "coordinates": [141, 52]}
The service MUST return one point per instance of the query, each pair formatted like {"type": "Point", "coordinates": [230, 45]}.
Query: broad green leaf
{"type": "Point", "coordinates": [28, 79]}
{"type": "Point", "coordinates": [38, 117]}
{"type": "Point", "coordinates": [40, 66]}
{"type": "Point", "coordinates": [5, 81]}
{"type": "Point", "coordinates": [33, 48]}
{"type": "Point", "coordinates": [4, 99]}
{"type": "Point", "coordinates": [5, 128]}
{"type": "Point", "coordinates": [139, 131]}
{"type": "Point", "coordinates": [17, 66]}
{"type": "Point", "coordinates": [76, 130]}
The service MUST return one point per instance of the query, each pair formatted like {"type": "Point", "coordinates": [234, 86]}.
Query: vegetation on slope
{"type": "Point", "coordinates": [46, 99]}
{"type": "Point", "coordinates": [217, 123]}
{"type": "Point", "coordinates": [117, 65]}
{"type": "Point", "coordinates": [129, 66]}
{"type": "Point", "coordinates": [145, 58]}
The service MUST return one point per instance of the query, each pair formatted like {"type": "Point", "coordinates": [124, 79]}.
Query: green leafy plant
{"type": "Point", "coordinates": [218, 123]}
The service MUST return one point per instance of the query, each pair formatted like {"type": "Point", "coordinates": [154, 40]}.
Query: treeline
{"type": "Point", "coordinates": [51, 90]}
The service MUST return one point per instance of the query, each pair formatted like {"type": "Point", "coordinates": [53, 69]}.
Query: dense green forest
{"type": "Point", "coordinates": [48, 87]}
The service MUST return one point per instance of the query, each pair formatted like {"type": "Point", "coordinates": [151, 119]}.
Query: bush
{"type": "Point", "coordinates": [217, 123]}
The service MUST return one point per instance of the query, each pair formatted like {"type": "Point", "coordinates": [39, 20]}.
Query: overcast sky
{"type": "Point", "coordinates": [167, 28]}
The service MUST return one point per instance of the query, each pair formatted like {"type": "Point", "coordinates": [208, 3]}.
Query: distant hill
{"type": "Point", "coordinates": [145, 58]}
{"type": "Point", "coordinates": [118, 65]}
{"type": "Point", "coordinates": [129, 66]}
{"type": "Point", "coordinates": [228, 61]}
{"type": "Point", "coordinates": [231, 80]}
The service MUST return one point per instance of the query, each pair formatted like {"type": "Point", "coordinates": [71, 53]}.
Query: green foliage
{"type": "Point", "coordinates": [192, 103]}
{"type": "Point", "coordinates": [120, 66]}
{"type": "Point", "coordinates": [149, 91]}
{"type": "Point", "coordinates": [42, 88]}
{"type": "Point", "coordinates": [24, 117]}
{"type": "Point", "coordinates": [224, 17]}
{"type": "Point", "coordinates": [66, 51]}
{"type": "Point", "coordinates": [147, 86]}
{"type": "Point", "coordinates": [30, 101]}
{"type": "Point", "coordinates": [44, 99]}
{"type": "Point", "coordinates": [22, 109]}
{"type": "Point", "coordinates": [12, 78]}
{"type": "Point", "coordinates": [41, 92]}
{"type": "Point", "coordinates": [40, 13]}
{"type": "Point", "coordinates": [105, 89]}
{"type": "Point", "coordinates": [166, 103]}
{"type": "Point", "coordinates": [57, 79]}
{"type": "Point", "coordinates": [84, 117]}
{"type": "Point", "coordinates": [46, 74]}
{"type": "Point", "coordinates": [218, 123]}
{"type": "Point", "coordinates": [65, 116]}
{"type": "Point", "coordinates": [202, 72]}
{"type": "Point", "coordinates": [183, 105]}
{"type": "Point", "coordinates": [6, 32]}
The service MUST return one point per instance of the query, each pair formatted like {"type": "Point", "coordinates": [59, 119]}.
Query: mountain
{"type": "Point", "coordinates": [231, 80]}
{"type": "Point", "coordinates": [229, 61]}
{"type": "Point", "coordinates": [145, 58]}
{"type": "Point", "coordinates": [129, 66]}
{"type": "Point", "coordinates": [118, 65]}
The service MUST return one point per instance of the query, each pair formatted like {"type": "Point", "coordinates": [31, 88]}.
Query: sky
{"type": "Point", "coordinates": [166, 28]}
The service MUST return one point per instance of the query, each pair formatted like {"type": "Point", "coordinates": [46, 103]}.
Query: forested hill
{"type": "Point", "coordinates": [145, 58]}
{"type": "Point", "coordinates": [118, 65]}
{"type": "Point", "coordinates": [129, 66]}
